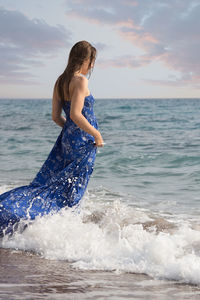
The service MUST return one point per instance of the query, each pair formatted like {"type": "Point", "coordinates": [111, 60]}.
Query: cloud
{"type": "Point", "coordinates": [23, 42]}
{"type": "Point", "coordinates": [186, 79]}
{"type": "Point", "coordinates": [124, 61]}
{"type": "Point", "coordinates": [100, 46]}
{"type": "Point", "coordinates": [167, 31]}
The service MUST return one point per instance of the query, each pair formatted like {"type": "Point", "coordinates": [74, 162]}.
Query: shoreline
{"type": "Point", "coordinates": [24, 275]}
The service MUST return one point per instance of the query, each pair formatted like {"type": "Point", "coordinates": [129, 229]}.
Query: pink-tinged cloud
{"type": "Point", "coordinates": [23, 42]}
{"type": "Point", "coordinates": [167, 31]}
{"type": "Point", "coordinates": [126, 61]}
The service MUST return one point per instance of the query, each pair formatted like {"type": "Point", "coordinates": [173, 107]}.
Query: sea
{"type": "Point", "coordinates": [137, 232]}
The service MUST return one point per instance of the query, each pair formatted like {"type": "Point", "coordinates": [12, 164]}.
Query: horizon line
{"type": "Point", "coordinates": [118, 98]}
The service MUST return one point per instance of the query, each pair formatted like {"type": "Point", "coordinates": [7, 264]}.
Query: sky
{"type": "Point", "coordinates": [145, 48]}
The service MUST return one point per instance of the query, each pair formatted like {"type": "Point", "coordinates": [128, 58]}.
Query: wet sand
{"type": "Point", "coordinates": [25, 275]}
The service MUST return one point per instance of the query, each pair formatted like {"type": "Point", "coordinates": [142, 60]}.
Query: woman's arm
{"type": "Point", "coordinates": [57, 109]}
{"type": "Point", "coordinates": [77, 103]}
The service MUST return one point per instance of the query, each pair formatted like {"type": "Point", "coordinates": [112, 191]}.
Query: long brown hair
{"type": "Point", "coordinates": [80, 52]}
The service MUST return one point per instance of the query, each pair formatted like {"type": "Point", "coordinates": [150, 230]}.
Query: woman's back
{"type": "Point", "coordinates": [74, 82]}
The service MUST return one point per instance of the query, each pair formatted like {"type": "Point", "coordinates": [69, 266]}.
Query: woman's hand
{"type": "Point", "coordinates": [98, 140]}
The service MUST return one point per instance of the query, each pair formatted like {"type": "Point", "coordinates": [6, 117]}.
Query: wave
{"type": "Point", "coordinates": [105, 233]}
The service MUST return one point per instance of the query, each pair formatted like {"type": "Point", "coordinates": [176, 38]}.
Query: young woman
{"type": "Point", "coordinates": [63, 177]}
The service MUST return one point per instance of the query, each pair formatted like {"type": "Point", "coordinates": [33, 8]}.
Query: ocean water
{"type": "Point", "coordinates": [139, 218]}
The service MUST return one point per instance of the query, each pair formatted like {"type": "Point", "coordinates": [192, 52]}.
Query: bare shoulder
{"type": "Point", "coordinates": [79, 83]}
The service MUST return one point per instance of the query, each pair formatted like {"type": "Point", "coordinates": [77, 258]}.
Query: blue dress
{"type": "Point", "coordinates": [61, 180]}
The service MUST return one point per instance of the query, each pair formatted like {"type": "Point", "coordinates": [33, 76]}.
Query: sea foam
{"type": "Point", "coordinates": [117, 237]}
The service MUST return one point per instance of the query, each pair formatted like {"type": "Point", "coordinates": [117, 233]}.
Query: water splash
{"type": "Point", "coordinates": [110, 235]}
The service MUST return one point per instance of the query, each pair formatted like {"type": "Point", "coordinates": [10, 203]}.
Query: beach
{"type": "Point", "coordinates": [28, 276]}
{"type": "Point", "coordinates": [136, 234]}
